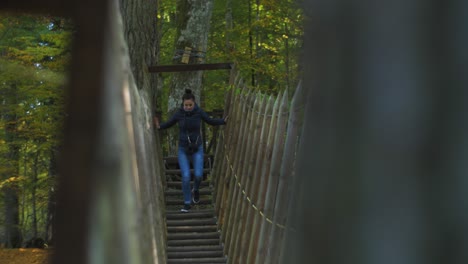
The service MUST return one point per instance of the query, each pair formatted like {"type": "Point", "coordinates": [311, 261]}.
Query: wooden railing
{"type": "Point", "coordinates": [254, 171]}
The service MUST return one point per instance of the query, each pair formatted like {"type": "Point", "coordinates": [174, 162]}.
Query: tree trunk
{"type": "Point", "coordinates": [252, 81]}
{"type": "Point", "coordinates": [33, 195]}
{"type": "Point", "coordinates": [193, 24]}
{"type": "Point", "coordinates": [49, 235]}
{"type": "Point", "coordinates": [228, 18]}
{"type": "Point", "coordinates": [12, 230]}
{"type": "Point", "coordinates": [142, 39]}
{"type": "Point", "coordinates": [287, 59]}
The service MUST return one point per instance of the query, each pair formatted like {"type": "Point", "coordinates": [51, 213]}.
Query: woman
{"type": "Point", "coordinates": [189, 117]}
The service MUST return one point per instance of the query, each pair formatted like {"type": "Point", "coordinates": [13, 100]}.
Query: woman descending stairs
{"type": "Point", "coordinates": [192, 237]}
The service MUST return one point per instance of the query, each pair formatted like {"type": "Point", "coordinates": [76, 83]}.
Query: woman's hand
{"type": "Point", "coordinates": [156, 122]}
{"type": "Point", "coordinates": [225, 119]}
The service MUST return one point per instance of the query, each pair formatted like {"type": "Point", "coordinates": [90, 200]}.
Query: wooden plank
{"type": "Point", "coordinates": [243, 179]}
{"type": "Point", "coordinates": [192, 222]}
{"type": "Point", "coordinates": [181, 201]}
{"type": "Point", "coordinates": [231, 145]}
{"type": "Point", "coordinates": [231, 137]}
{"type": "Point", "coordinates": [193, 214]}
{"type": "Point", "coordinates": [216, 176]}
{"type": "Point", "coordinates": [194, 248]}
{"type": "Point", "coordinates": [181, 229]}
{"type": "Point", "coordinates": [190, 242]}
{"type": "Point", "coordinates": [264, 178]}
{"type": "Point", "coordinates": [227, 231]}
{"type": "Point", "coordinates": [274, 175]}
{"type": "Point", "coordinates": [186, 55]}
{"type": "Point", "coordinates": [239, 162]}
{"type": "Point", "coordinates": [251, 157]}
{"type": "Point", "coordinates": [196, 260]}
{"type": "Point", "coordinates": [179, 192]}
{"type": "Point", "coordinates": [287, 176]}
{"type": "Point", "coordinates": [194, 235]}
{"type": "Point", "coordinates": [219, 175]}
{"type": "Point", "coordinates": [190, 67]}
{"type": "Point", "coordinates": [264, 119]}
{"type": "Point", "coordinates": [179, 172]}
{"type": "Point", "coordinates": [195, 254]}
{"type": "Point", "coordinates": [178, 184]}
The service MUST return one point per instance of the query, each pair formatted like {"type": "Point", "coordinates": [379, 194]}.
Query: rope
{"type": "Point", "coordinates": [247, 197]}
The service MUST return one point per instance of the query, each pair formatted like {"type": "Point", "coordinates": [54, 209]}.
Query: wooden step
{"type": "Point", "coordinates": [195, 254]}
{"type": "Point", "coordinates": [181, 201]}
{"type": "Point", "coordinates": [195, 248]}
{"type": "Point", "coordinates": [191, 242]}
{"type": "Point", "coordinates": [197, 260]}
{"type": "Point", "coordinates": [205, 213]}
{"type": "Point", "coordinates": [182, 236]}
{"type": "Point", "coordinates": [192, 237]}
{"type": "Point", "coordinates": [178, 184]}
{"type": "Point", "coordinates": [179, 192]}
{"type": "Point", "coordinates": [181, 229]}
{"type": "Point", "coordinates": [173, 161]}
{"type": "Point", "coordinates": [192, 222]}
{"type": "Point", "coordinates": [179, 172]}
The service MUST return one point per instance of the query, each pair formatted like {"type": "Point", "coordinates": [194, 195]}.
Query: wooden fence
{"type": "Point", "coordinates": [253, 172]}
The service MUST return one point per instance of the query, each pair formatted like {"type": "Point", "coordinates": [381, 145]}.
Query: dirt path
{"type": "Point", "coordinates": [24, 256]}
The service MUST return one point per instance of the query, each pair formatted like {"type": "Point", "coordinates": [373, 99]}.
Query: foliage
{"type": "Point", "coordinates": [265, 42]}
{"type": "Point", "coordinates": [34, 58]}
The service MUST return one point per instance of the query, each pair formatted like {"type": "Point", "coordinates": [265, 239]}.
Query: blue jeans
{"type": "Point", "coordinates": [184, 164]}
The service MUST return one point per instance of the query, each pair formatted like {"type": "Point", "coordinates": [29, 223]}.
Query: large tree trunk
{"type": "Point", "coordinates": [193, 24]}
{"type": "Point", "coordinates": [12, 230]}
{"type": "Point", "coordinates": [142, 40]}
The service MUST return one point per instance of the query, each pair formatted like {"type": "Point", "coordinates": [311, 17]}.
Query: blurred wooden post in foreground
{"type": "Point", "coordinates": [110, 206]}
{"type": "Point", "coordinates": [383, 166]}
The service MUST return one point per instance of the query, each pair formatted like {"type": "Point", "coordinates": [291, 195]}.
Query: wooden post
{"type": "Point", "coordinates": [263, 120]}
{"type": "Point", "coordinates": [240, 164]}
{"type": "Point", "coordinates": [274, 175]}
{"type": "Point", "coordinates": [250, 157]}
{"type": "Point", "coordinates": [287, 176]}
{"type": "Point", "coordinates": [228, 132]}
{"type": "Point", "coordinates": [233, 186]}
{"type": "Point", "coordinates": [186, 55]}
{"type": "Point", "coordinates": [265, 164]}
{"type": "Point", "coordinates": [228, 184]}
{"type": "Point", "coordinates": [219, 173]}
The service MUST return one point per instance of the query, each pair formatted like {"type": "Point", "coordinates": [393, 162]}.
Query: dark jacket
{"type": "Point", "coordinates": [190, 124]}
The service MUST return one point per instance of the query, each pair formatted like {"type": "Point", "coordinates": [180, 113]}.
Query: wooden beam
{"type": "Point", "coordinates": [190, 67]}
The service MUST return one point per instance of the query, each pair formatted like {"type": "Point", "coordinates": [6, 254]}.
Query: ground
{"type": "Point", "coordinates": [24, 256]}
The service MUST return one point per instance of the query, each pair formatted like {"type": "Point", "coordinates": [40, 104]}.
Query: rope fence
{"type": "Point", "coordinates": [238, 183]}
{"type": "Point", "coordinates": [253, 172]}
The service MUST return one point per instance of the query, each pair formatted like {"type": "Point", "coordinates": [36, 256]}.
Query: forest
{"type": "Point", "coordinates": [262, 38]}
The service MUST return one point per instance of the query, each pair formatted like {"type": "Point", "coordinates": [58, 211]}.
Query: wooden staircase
{"type": "Point", "coordinates": [192, 237]}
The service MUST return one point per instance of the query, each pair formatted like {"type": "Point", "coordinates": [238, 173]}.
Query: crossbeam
{"type": "Point", "coordinates": [190, 67]}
